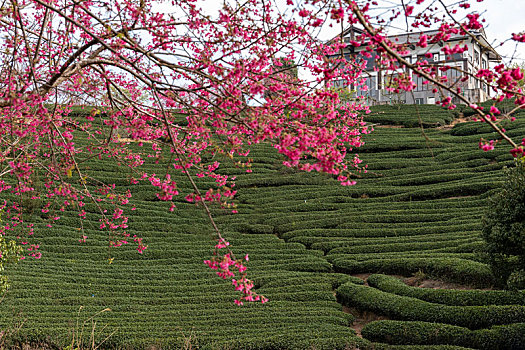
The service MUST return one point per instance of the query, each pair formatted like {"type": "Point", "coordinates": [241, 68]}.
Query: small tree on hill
{"type": "Point", "coordinates": [504, 229]}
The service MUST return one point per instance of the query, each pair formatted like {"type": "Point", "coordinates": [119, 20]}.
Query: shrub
{"type": "Point", "coordinates": [504, 226]}
{"type": "Point", "coordinates": [516, 280]}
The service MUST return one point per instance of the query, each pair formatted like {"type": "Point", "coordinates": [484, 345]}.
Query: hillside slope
{"type": "Point", "coordinates": [418, 208]}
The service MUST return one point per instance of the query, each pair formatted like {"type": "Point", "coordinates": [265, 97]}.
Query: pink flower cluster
{"type": "Point", "coordinates": [228, 267]}
{"type": "Point", "coordinates": [519, 151]}
{"type": "Point", "coordinates": [520, 37]}
{"type": "Point", "coordinates": [487, 146]}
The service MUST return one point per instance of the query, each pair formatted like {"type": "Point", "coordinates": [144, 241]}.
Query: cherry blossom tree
{"type": "Point", "coordinates": [175, 79]}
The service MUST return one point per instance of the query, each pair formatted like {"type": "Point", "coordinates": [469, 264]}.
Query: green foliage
{"type": "Point", "coordinates": [414, 333]}
{"type": "Point", "coordinates": [467, 297]}
{"type": "Point", "coordinates": [505, 107]}
{"type": "Point", "coordinates": [398, 247]}
{"type": "Point", "coordinates": [419, 207]}
{"type": "Point", "coordinates": [508, 337]}
{"type": "Point", "coordinates": [381, 346]}
{"type": "Point", "coordinates": [407, 308]}
{"type": "Point", "coordinates": [158, 297]}
{"type": "Point", "coordinates": [504, 226]}
{"type": "Point", "coordinates": [516, 280]}
{"type": "Point", "coordinates": [410, 116]}
{"type": "Point", "coordinates": [10, 253]}
{"type": "Point", "coordinates": [452, 269]}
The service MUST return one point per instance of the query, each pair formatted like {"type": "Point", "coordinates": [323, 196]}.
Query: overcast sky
{"type": "Point", "coordinates": [505, 17]}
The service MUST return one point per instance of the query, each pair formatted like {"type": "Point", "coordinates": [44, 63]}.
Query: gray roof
{"type": "Point", "coordinates": [414, 38]}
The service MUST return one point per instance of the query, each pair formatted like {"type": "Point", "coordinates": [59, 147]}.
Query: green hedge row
{"type": "Point", "coordinates": [362, 231]}
{"type": "Point", "coordinates": [369, 209]}
{"type": "Point", "coordinates": [393, 285]}
{"type": "Point", "coordinates": [299, 278]}
{"type": "Point", "coordinates": [342, 203]}
{"type": "Point", "coordinates": [453, 269]}
{"type": "Point", "coordinates": [290, 338]}
{"type": "Point", "coordinates": [302, 222]}
{"type": "Point", "coordinates": [398, 258]}
{"type": "Point", "coordinates": [407, 308]}
{"type": "Point", "coordinates": [328, 243]}
{"type": "Point", "coordinates": [382, 346]}
{"type": "Point", "coordinates": [464, 161]}
{"type": "Point", "coordinates": [399, 247]}
{"type": "Point", "coordinates": [507, 337]}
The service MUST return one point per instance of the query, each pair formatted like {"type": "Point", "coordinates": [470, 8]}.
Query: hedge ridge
{"type": "Point", "coordinates": [507, 337]}
{"type": "Point", "coordinates": [407, 308]}
{"type": "Point", "coordinates": [392, 284]}
{"type": "Point", "coordinates": [453, 269]}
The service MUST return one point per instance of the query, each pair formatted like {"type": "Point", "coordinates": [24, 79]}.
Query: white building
{"type": "Point", "coordinates": [478, 56]}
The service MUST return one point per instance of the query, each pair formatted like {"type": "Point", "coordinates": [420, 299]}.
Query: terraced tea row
{"type": "Point", "coordinates": [417, 209]}
{"type": "Point", "coordinates": [166, 297]}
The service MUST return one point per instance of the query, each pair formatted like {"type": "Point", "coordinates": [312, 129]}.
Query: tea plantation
{"type": "Point", "coordinates": [417, 210]}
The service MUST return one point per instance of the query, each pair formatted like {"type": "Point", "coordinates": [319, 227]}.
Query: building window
{"type": "Point", "coordinates": [419, 81]}
{"type": "Point", "coordinates": [454, 77]}
{"type": "Point", "coordinates": [419, 101]}
{"type": "Point", "coordinates": [421, 58]}
{"type": "Point", "coordinates": [339, 84]}
{"type": "Point", "coordinates": [371, 87]}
